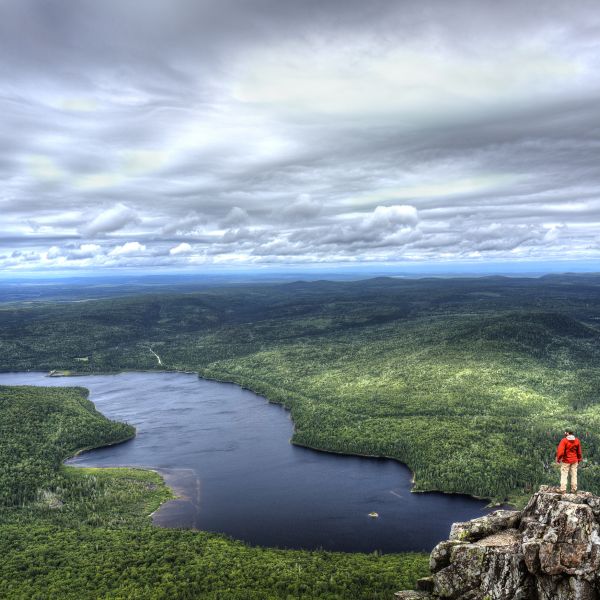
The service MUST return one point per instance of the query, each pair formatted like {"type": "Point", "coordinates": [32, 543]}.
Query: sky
{"type": "Point", "coordinates": [196, 134]}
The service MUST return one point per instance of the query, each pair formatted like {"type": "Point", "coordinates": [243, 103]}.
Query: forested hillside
{"type": "Point", "coordinates": [39, 428]}
{"type": "Point", "coordinates": [469, 381]}
{"type": "Point", "coordinates": [71, 533]}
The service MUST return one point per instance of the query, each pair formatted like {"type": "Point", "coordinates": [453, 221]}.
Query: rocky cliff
{"type": "Point", "coordinates": [548, 551]}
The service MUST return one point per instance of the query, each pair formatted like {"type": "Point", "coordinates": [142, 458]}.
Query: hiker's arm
{"type": "Point", "coordinates": [560, 451]}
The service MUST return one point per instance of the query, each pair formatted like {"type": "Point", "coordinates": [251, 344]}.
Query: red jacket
{"type": "Point", "coordinates": [569, 450]}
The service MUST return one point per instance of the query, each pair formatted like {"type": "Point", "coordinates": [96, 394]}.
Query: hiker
{"type": "Point", "coordinates": [568, 454]}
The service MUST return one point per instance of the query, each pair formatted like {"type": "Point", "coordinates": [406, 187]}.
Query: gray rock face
{"type": "Point", "coordinates": [548, 551]}
{"type": "Point", "coordinates": [484, 526]}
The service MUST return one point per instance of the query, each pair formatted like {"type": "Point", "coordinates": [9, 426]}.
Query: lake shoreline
{"type": "Point", "coordinates": [341, 492]}
{"type": "Point", "coordinates": [491, 501]}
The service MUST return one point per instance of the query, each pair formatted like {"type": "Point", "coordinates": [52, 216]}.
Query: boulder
{"type": "Point", "coordinates": [474, 530]}
{"type": "Point", "coordinates": [440, 555]}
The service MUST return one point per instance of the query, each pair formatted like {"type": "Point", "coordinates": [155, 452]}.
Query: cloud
{"type": "Point", "coordinates": [84, 251]}
{"type": "Point", "coordinates": [183, 248]}
{"type": "Point", "coordinates": [184, 224]}
{"type": "Point", "coordinates": [385, 225]}
{"type": "Point", "coordinates": [53, 252]}
{"type": "Point", "coordinates": [110, 220]}
{"type": "Point", "coordinates": [235, 217]}
{"type": "Point", "coordinates": [386, 228]}
{"type": "Point", "coordinates": [416, 81]}
{"type": "Point", "coordinates": [303, 208]}
{"type": "Point", "coordinates": [128, 248]}
{"type": "Point", "coordinates": [318, 131]}
{"type": "Point", "coordinates": [72, 252]}
{"type": "Point", "coordinates": [389, 217]}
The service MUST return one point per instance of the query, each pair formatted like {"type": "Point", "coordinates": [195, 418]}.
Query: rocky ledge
{"type": "Point", "coordinates": [548, 551]}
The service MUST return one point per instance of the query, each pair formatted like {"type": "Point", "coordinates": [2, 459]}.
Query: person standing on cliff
{"type": "Point", "coordinates": [568, 454]}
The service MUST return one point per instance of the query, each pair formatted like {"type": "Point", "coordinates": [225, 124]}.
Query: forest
{"type": "Point", "coordinates": [76, 533]}
{"type": "Point", "coordinates": [470, 382]}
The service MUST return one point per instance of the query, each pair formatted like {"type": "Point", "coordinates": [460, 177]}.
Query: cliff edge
{"type": "Point", "coordinates": [548, 551]}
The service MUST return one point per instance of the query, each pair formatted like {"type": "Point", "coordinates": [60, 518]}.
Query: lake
{"type": "Point", "coordinates": [226, 451]}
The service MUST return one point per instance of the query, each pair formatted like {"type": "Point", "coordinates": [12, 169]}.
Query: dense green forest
{"type": "Point", "coordinates": [39, 428]}
{"type": "Point", "coordinates": [72, 533]}
{"type": "Point", "coordinates": [468, 381]}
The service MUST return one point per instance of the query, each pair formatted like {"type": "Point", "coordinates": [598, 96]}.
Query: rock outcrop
{"type": "Point", "coordinates": [548, 551]}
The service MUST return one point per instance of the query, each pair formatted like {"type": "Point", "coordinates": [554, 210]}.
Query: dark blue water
{"type": "Point", "coordinates": [226, 451]}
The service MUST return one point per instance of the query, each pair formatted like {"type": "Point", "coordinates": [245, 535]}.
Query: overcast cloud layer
{"type": "Point", "coordinates": [196, 133]}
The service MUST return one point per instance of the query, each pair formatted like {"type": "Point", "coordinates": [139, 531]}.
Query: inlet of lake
{"type": "Point", "coordinates": [227, 454]}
